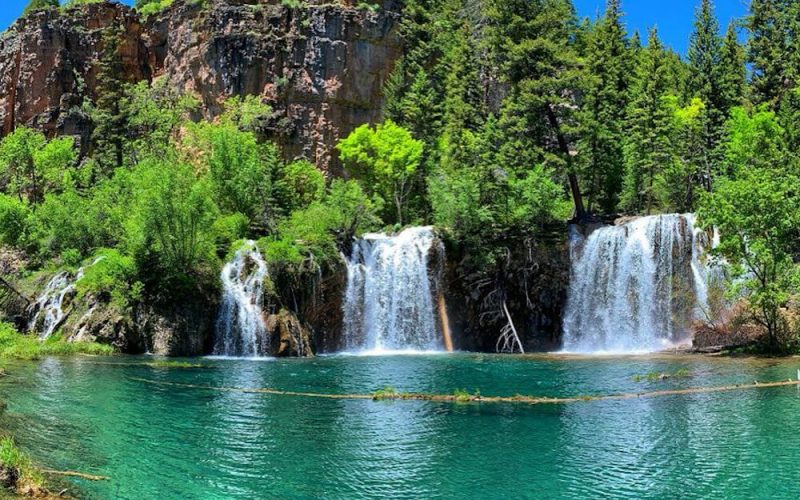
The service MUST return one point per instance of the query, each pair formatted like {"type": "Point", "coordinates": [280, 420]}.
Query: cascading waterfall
{"type": "Point", "coordinates": [240, 328]}
{"type": "Point", "coordinates": [635, 287]}
{"type": "Point", "coordinates": [48, 309]}
{"type": "Point", "coordinates": [389, 303]}
{"type": "Point", "coordinates": [49, 306]}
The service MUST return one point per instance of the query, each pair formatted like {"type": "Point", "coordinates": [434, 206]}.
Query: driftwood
{"type": "Point", "coordinates": [476, 398]}
{"type": "Point", "coordinates": [88, 477]}
{"type": "Point", "coordinates": [508, 342]}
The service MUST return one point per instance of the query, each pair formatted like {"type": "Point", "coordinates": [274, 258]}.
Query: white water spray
{"type": "Point", "coordinates": [389, 303]}
{"type": "Point", "coordinates": [49, 308]}
{"type": "Point", "coordinates": [635, 287]}
{"type": "Point", "coordinates": [240, 329]}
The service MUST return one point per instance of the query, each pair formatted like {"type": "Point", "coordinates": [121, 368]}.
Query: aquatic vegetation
{"type": "Point", "coordinates": [385, 393]}
{"type": "Point", "coordinates": [165, 363]}
{"type": "Point", "coordinates": [655, 376]}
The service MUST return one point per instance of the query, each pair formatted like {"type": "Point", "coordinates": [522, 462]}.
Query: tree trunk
{"type": "Point", "coordinates": [574, 186]}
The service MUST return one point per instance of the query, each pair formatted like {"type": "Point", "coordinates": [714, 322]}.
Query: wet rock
{"type": "Point", "coordinates": [184, 328]}
{"type": "Point", "coordinates": [290, 338]}
{"type": "Point", "coordinates": [9, 476]}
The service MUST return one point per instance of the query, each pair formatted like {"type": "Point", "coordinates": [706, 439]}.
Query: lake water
{"type": "Point", "coordinates": [94, 415]}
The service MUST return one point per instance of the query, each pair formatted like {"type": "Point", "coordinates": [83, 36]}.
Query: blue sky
{"type": "Point", "coordinates": [673, 17]}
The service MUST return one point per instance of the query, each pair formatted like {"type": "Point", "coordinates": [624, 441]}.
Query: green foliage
{"type": "Point", "coordinates": [608, 79]}
{"type": "Point", "coordinates": [11, 457]}
{"type": "Point", "coordinates": [112, 278]}
{"type": "Point", "coordinates": [239, 168]}
{"type": "Point", "coordinates": [76, 3]}
{"type": "Point", "coordinates": [299, 185]}
{"type": "Point", "coordinates": [18, 346]}
{"type": "Point", "coordinates": [647, 148]}
{"type": "Point", "coordinates": [248, 113]}
{"type": "Point", "coordinates": [153, 114]}
{"type": "Point", "coordinates": [106, 112]}
{"type": "Point", "coordinates": [35, 5]}
{"type": "Point", "coordinates": [386, 159]}
{"type": "Point", "coordinates": [149, 7]}
{"type": "Point", "coordinates": [14, 217]}
{"type": "Point", "coordinates": [387, 393]}
{"type": "Point", "coordinates": [173, 214]}
{"type": "Point", "coordinates": [31, 166]}
{"type": "Point", "coordinates": [754, 139]}
{"type": "Point", "coordinates": [772, 48]}
{"type": "Point", "coordinates": [756, 213]}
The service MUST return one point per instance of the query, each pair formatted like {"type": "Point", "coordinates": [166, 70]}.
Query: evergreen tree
{"type": "Point", "coordinates": [771, 49]}
{"type": "Point", "coordinates": [530, 43]}
{"type": "Point", "coordinates": [732, 71]}
{"type": "Point", "coordinates": [648, 147]}
{"type": "Point", "coordinates": [705, 53]}
{"type": "Point", "coordinates": [108, 135]}
{"type": "Point", "coordinates": [608, 63]}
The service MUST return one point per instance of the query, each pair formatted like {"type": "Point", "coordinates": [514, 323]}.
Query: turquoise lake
{"type": "Point", "coordinates": [155, 440]}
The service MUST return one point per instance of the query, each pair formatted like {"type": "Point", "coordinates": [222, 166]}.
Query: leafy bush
{"type": "Point", "coordinates": [112, 278]}
{"type": "Point", "coordinates": [300, 184]}
{"type": "Point", "coordinates": [150, 7]}
{"type": "Point", "coordinates": [14, 220]}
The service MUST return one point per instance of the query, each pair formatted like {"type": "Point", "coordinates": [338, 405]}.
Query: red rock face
{"type": "Point", "coordinates": [321, 67]}
{"type": "Point", "coordinates": [48, 63]}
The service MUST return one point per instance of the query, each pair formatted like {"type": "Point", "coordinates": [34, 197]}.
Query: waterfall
{"type": "Point", "coordinates": [240, 329]}
{"type": "Point", "coordinates": [48, 309]}
{"type": "Point", "coordinates": [49, 306]}
{"type": "Point", "coordinates": [635, 287]}
{"type": "Point", "coordinates": [389, 300]}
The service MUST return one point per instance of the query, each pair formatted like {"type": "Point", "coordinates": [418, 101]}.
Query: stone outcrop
{"type": "Point", "coordinates": [289, 337]}
{"type": "Point", "coordinates": [321, 67]}
{"type": "Point", "coordinates": [49, 63]}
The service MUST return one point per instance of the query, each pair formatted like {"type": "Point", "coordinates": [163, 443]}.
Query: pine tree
{"type": "Point", "coordinates": [732, 71]}
{"type": "Point", "coordinates": [108, 135]}
{"type": "Point", "coordinates": [705, 54]}
{"type": "Point", "coordinates": [771, 49]}
{"type": "Point", "coordinates": [531, 44]}
{"type": "Point", "coordinates": [608, 66]}
{"type": "Point", "coordinates": [647, 148]}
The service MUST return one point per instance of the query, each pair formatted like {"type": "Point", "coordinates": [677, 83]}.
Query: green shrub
{"type": "Point", "coordinates": [112, 279]}
{"type": "Point", "coordinates": [300, 184]}
{"type": "Point", "coordinates": [14, 220]}
{"type": "Point", "coordinates": [26, 347]}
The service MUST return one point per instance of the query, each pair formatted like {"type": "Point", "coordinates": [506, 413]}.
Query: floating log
{"type": "Point", "coordinates": [88, 477]}
{"type": "Point", "coordinates": [476, 398]}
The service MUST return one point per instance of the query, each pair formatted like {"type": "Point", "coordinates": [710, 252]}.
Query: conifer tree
{"type": "Point", "coordinates": [531, 44]}
{"type": "Point", "coordinates": [108, 135]}
{"type": "Point", "coordinates": [705, 53]}
{"type": "Point", "coordinates": [732, 71]}
{"type": "Point", "coordinates": [608, 65]}
{"type": "Point", "coordinates": [770, 49]}
{"type": "Point", "coordinates": [647, 148]}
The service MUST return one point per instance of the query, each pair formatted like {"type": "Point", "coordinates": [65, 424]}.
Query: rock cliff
{"type": "Point", "coordinates": [322, 66]}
